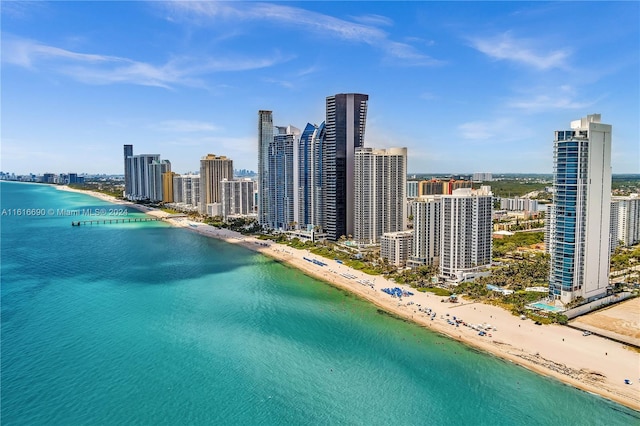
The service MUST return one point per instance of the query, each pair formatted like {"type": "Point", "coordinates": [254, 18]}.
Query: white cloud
{"type": "Point", "coordinates": [184, 126]}
{"type": "Point", "coordinates": [540, 100]}
{"type": "Point", "coordinates": [373, 19]}
{"type": "Point", "coordinates": [505, 47]}
{"type": "Point", "coordinates": [105, 69]}
{"type": "Point", "coordinates": [320, 24]}
{"type": "Point", "coordinates": [498, 129]}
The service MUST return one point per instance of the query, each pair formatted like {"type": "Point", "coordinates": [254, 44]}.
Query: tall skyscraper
{"type": "Point", "coordinates": [282, 178]}
{"type": "Point", "coordinates": [310, 176]}
{"type": "Point", "coordinates": [582, 210]}
{"type": "Point", "coordinates": [379, 193]}
{"type": "Point", "coordinates": [156, 170]}
{"type": "Point", "coordinates": [186, 190]}
{"type": "Point", "coordinates": [140, 166]}
{"type": "Point", "coordinates": [426, 229]}
{"type": "Point", "coordinates": [167, 186]}
{"type": "Point", "coordinates": [213, 169]}
{"type": "Point", "coordinates": [465, 233]}
{"type": "Point", "coordinates": [265, 139]}
{"type": "Point", "coordinates": [128, 171]}
{"type": "Point", "coordinates": [346, 116]}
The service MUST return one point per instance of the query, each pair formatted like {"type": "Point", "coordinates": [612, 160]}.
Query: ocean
{"type": "Point", "coordinates": [146, 324]}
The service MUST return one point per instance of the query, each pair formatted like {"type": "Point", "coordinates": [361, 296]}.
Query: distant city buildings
{"type": "Point", "coordinates": [580, 232]}
{"type": "Point", "coordinates": [519, 204]}
{"type": "Point", "coordinates": [412, 188]}
{"type": "Point", "coordinates": [441, 187]}
{"type": "Point", "coordinates": [482, 177]}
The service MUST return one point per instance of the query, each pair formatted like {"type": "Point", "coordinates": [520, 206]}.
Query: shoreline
{"type": "Point", "coordinates": [590, 363]}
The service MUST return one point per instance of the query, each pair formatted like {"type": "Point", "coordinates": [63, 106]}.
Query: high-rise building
{"type": "Point", "coordinates": [156, 170]}
{"type": "Point", "coordinates": [379, 193]}
{"type": "Point", "coordinates": [465, 233]}
{"type": "Point", "coordinates": [346, 115]}
{"type": "Point", "coordinates": [141, 175]}
{"type": "Point", "coordinates": [213, 169]}
{"type": "Point", "coordinates": [237, 197]}
{"type": "Point", "coordinates": [282, 178]}
{"type": "Point", "coordinates": [426, 231]}
{"type": "Point", "coordinates": [396, 247]}
{"type": "Point", "coordinates": [265, 139]}
{"type": "Point", "coordinates": [625, 215]}
{"type": "Point", "coordinates": [186, 190]}
{"type": "Point", "coordinates": [167, 186]}
{"type": "Point", "coordinates": [310, 177]}
{"type": "Point", "coordinates": [582, 210]}
{"type": "Point", "coordinates": [412, 188]}
{"type": "Point", "coordinates": [482, 177]}
{"type": "Point", "coordinates": [128, 170]}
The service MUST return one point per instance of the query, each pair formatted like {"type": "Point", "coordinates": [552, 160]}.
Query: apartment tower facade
{"type": "Point", "coordinates": [213, 169]}
{"type": "Point", "coordinates": [582, 210]}
{"type": "Point", "coordinates": [346, 115]}
{"type": "Point", "coordinates": [466, 232]}
{"type": "Point", "coordinates": [380, 185]}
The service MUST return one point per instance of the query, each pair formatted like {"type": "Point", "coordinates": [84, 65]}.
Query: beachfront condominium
{"type": "Point", "coordinates": [277, 173]}
{"type": "Point", "coordinates": [283, 178]}
{"type": "Point", "coordinates": [395, 247]}
{"type": "Point", "coordinates": [156, 170]}
{"type": "Point", "coordinates": [236, 197]}
{"type": "Point", "coordinates": [380, 182]}
{"type": "Point", "coordinates": [309, 186]}
{"type": "Point", "coordinates": [426, 230]}
{"type": "Point", "coordinates": [582, 210]}
{"type": "Point", "coordinates": [265, 139]}
{"type": "Point", "coordinates": [465, 233]}
{"type": "Point", "coordinates": [186, 190]}
{"type": "Point", "coordinates": [625, 217]}
{"type": "Point", "coordinates": [139, 169]}
{"type": "Point", "coordinates": [213, 169]}
{"type": "Point", "coordinates": [167, 186]}
{"type": "Point", "coordinates": [346, 115]}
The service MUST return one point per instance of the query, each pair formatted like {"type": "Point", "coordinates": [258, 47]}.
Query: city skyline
{"type": "Point", "coordinates": [466, 87]}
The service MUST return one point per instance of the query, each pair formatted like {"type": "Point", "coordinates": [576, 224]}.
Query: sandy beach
{"type": "Point", "coordinates": [590, 363]}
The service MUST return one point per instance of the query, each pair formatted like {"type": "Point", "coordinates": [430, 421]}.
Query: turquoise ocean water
{"type": "Point", "coordinates": [148, 324]}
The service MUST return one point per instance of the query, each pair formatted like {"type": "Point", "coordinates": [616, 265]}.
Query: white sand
{"type": "Point", "coordinates": [591, 363]}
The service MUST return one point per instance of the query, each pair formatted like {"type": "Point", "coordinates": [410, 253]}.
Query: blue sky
{"type": "Point", "coordinates": [466, 86]}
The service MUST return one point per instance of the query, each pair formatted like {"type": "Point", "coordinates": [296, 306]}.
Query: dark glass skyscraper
{"type": "Point", "coordinates": [128, 183]}
{"type": "Point", "coordinates": [265, 138]}
{"type": "Point", "coordinates": [346, 118]}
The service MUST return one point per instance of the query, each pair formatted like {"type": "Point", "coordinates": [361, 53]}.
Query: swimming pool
{"type": "Point", "coordinates": [545, 307]}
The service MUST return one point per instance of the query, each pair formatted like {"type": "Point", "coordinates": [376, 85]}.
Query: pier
{"type": "Point", "coordinates": [108, 221]}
